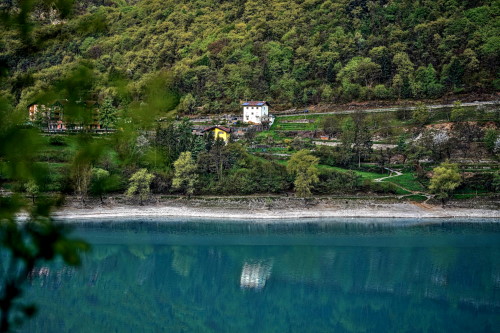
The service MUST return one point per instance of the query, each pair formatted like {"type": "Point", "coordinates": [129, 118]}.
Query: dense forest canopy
{"type": "Point", "coordinates": [290, 52]}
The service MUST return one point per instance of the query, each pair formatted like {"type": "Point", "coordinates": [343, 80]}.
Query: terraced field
{"type": "Point", "coordinates": [278, 126]}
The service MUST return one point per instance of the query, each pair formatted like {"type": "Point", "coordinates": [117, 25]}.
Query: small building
{"type": "Point", "coordinates": [255, 112]}
{"type": "Point", "coordinates": [35, 111]}
{"type": "Point", "coordinates": [219, 132]}
{"type": "Point", "coordinates": [53, 118]}
{"type": "Point", "coordinates": [49, 117]}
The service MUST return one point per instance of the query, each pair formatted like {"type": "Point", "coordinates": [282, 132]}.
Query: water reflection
{"type": "Point", "coordinates": [315, 279]}
{"type": "Point", "coordinates": [254, 275]}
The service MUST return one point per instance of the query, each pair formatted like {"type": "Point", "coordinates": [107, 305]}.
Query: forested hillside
{"type": "Point", "coordinates": [289, 52]}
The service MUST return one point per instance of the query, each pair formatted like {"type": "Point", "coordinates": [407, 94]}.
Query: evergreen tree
{"type": "Point", "coordinates": [421, 114]}
{"type": "Point", "coordinates": [107, 114]}
{"type": "Point", "coordinates": [458, 112]}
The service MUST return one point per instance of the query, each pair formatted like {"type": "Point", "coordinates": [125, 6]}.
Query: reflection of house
{"type": "Point", "coordinates": [219, 132]}
{"type": "Point", "coordinates": [61, 116]}
{"type": "Point", "coordinates": [255, 112]}
{"type": "Point", "coordinates": [255, 275]}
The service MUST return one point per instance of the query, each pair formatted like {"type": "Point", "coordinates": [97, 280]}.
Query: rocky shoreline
{"type": "Point", "coordinates": [265, 208]}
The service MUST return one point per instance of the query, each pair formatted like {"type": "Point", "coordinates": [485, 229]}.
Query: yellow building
{"type": "Point", "coordinates": [219, 132]}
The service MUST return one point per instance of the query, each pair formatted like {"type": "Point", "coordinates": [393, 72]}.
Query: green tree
{"type": "Point", "coordinates": [495, 184]}
{"type": "Point", "coordinates": [140, 183]}
{"type": "Point", "coordinates": [421, 114]}
{"type": "Point", "coordinates": [359, 70]}
{"type": "Point", "coordinates": [404, 77]}
{"type": "Point", "coordinates": [107, 114]}
{"type": "Point", "coordinates": [458, 112]}
{"type": "Point", "coordinates": [185, 137]}
{"type": "Point", "coordinates": [88, 153]}
{"type": "Point", "coordinates": [347, 137]}
{"type": "Point", "coordinates": [185, 176]}
{"type": "Point", "coordinates": [100, 182]}
{"type": "Point", "coordinates": [39, 240]}
{"type": "Point", "coordinates": [362, 137]}
{"type": "Point", "coordinates": [381, 92]}
{"type": "Point", "coordinates": [492, 140]}
{"type": "Point", "coordinates": [330, 125]}
{"type": "Point", "coordinates": [81, 173]}
{"type": "Point", "coordinates": [187, 104]}
{"type": "Point", "coordinates": [452, 74]}
{"type": "Point", "coordinates": [220, 157]}
{"type": "Point", "coordinates": [303, 166]}
{"type": "Point", "coordinates": [355, 138]}
{"type": "Point", "coordinates": [32, 189]}
{"type": "Point", "coordinates": [445, 179]}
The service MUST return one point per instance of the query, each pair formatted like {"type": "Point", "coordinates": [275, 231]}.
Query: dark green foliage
{"type": "Point", "coordinates": [57, 141]}
{"type": "Point", "coordinates": [173, 139]}
{"type": "Point", "coordinates": [481, 181]}
{"type": "Point", "coordinates": [107, 114]}
{"type": "Point", "coordinates": [356, 140]}
{"type": "Point", "coordinates": [220, 158]}
{"type": "Point", "coordinates": [332, 181]}
{"type": "Point", "coordinates": [246, 175]}
{"type": "Point", "coordinates": [327, 155]}
{"type": "Point", "coordinates": [381, 187]}
{"type": "Point", "coordinates": [291, 52]}
{"type": "Point", "coordinates": [330, 125]}
{"type": "Point", "coordinates": [491, 140]}
{"type": "Point", "coordinates": [25, 246]}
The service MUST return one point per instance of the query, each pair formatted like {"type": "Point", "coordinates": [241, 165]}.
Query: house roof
{"type": "Point", "coordinates": [222, 128]}
{"type": "Point", "coordinates": [255, 103]}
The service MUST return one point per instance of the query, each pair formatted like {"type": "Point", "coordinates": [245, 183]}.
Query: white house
{"type": "Point", "coordinates": [255, 112]}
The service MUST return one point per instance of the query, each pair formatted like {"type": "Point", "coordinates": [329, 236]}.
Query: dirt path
{"type": "Point", "coordinates": [395, 173]}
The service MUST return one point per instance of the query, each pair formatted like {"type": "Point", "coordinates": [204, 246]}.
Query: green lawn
{"type": "Point", "coordinates": [281, 124]}
{"type": "Point", "coordinates": [363, 174]}
{"type": "Point", "coordinates": [298, 117]}
{"type": "Point", "coordinates": [408, 181]}
{"type": "Point", "coordinates": [295, 126]}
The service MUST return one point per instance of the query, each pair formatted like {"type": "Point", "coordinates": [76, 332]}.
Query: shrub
{"type": "Point", "coordinates": [381, 92]}
{"type": "Point", "coordinates": [381, 187]}
{"type": "Point", "coordinates": [332, 181]}
{"type": "Point", "coordinates": [57, 141]}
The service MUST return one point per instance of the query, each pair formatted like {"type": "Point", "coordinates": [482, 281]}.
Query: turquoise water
{"type": "Point", "coordinates": [321, 276]}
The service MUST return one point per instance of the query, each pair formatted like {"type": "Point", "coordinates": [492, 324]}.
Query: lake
{"type": "Point", "coordinates": [241, 276]}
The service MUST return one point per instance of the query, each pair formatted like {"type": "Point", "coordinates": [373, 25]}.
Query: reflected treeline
{"type": "Point", "coordinates": [282, 226]}
{"type": "Point", "coordinates": [128, 287]}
